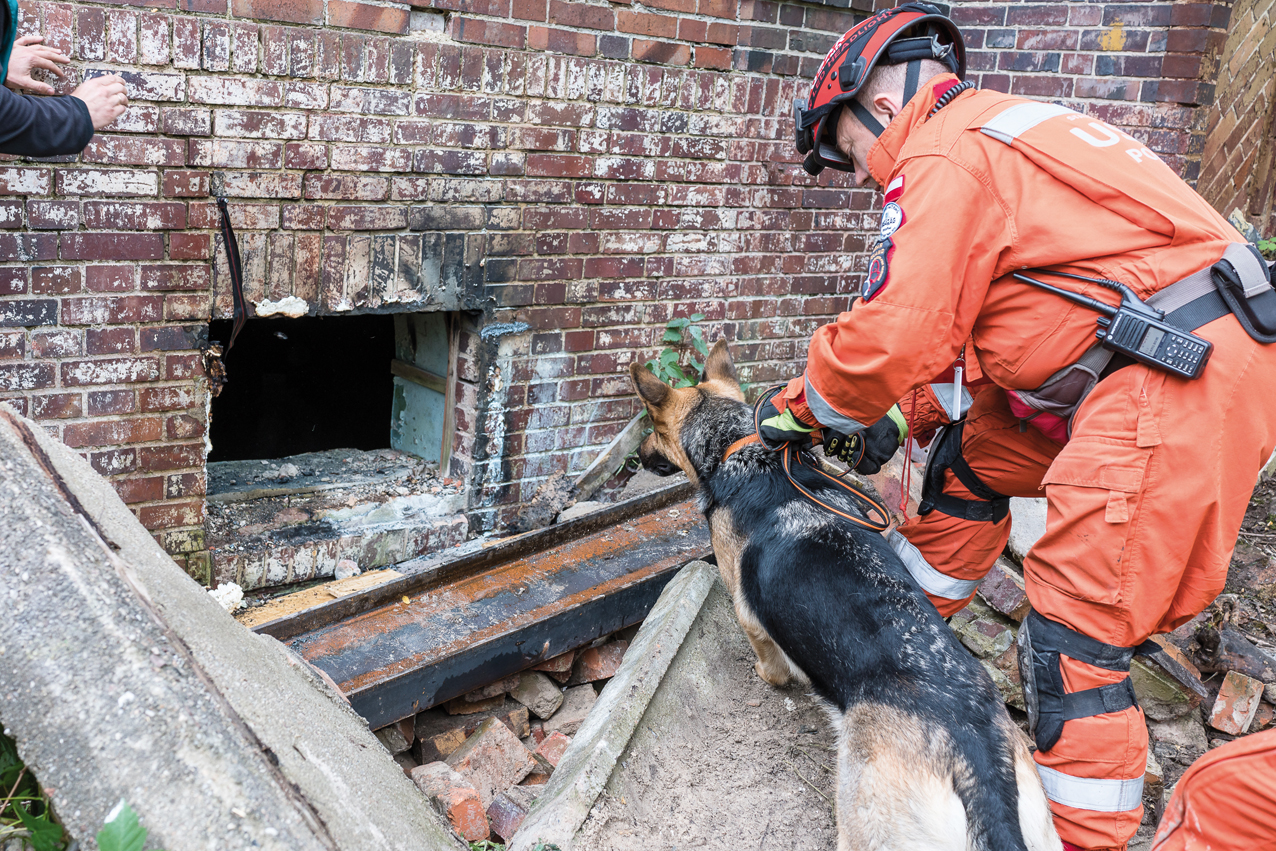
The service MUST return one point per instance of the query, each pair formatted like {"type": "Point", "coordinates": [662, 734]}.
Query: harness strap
{"type": "Point", "coordinates": [1113, 697]}
{"type": "Point", "coordinates": [740, 444]}
{"type": "Point", "coordinates": [989, 506]}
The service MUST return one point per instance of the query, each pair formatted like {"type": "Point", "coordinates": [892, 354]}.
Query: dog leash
{"type": "Point", "coordinates": [790, 457]}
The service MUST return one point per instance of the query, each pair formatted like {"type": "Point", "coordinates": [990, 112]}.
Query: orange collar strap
{"type": "Point", "coordinates": [740, 444]}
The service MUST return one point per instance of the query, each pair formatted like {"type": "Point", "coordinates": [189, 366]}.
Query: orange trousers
{"type": "Point", "coordinates": [1144, 504]}
{"type": "Point", "coordinates": [1226, 801]}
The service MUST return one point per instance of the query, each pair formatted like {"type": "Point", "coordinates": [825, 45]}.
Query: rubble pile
{"type": "Point", "coordinates": [481, 758]}
{"type": "Point", "coordinates": [296, 519]}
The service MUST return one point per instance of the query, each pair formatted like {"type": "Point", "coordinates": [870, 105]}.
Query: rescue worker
{"type": "Point", "coordinates": [48, 126]}
{"type": "Point", "coordinates": [1146, 471]}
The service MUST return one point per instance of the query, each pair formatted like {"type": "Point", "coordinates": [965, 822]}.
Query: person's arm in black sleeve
{"type": "Point", "coordinates": [43, 126]}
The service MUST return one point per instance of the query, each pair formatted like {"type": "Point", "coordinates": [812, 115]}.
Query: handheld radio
{"type": "Point", "coordinates": [1136, 329]}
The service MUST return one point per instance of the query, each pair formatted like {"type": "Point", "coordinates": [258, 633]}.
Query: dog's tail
{"type": "Point", "coordinates": [1005, 804]}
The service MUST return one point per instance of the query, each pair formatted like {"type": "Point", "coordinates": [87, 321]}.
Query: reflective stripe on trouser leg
{"type": "Point", "coordinates": [931, 580]}
{"type": "Point", "coordinates": [1100, 794]}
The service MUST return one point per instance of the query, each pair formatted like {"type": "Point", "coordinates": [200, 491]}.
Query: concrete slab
{"type": "Point", "coordinates": [687, 747]}
{"type": "Point", "coordinates": [120, 677]}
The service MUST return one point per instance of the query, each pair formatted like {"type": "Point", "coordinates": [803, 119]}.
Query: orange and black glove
{"type": "Point", "coordinates": [869, 449]}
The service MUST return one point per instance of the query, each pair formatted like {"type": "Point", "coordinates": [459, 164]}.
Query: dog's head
{"type": "Point", "coordinates": [663, 451]}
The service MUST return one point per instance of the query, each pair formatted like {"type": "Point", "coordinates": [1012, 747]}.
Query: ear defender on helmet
{"type": "Point", "coordinates": [906, 34]}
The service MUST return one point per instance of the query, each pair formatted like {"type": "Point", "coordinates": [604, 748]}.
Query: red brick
{"type": "Point", "coordinates": [114, 432]}
{"type": "Point", "coordinates": [581, 15]}
{"type": "Point", "coordinates": [26, 376]}
{"type": "Point", "coordinates": [56, 280]}
{"type": "Point", "coordinates": [171, 515]}
{"type": "Point", "coordinates": [109, 371]}
{"type": "Point", "coordinates": [189, 246]}
{"type": "Point", "coordinates": [561, 41]}
{"type": "Point", "coordinates": [128, 150]}
{"type": "Point", "coordinates": [364, 16]}
{"type": "Point", "coordinates": [489, 32]}
{"type": "Point", "coordinates": [53, 215]}
{"type": "Point", "coordinates": [552, 748]}
{"type": "Point", "coordinates": [135, 215]}
{"type": "Point", "coordinates": [663, 52]}
{"type": "Point", "coordinates": [110, 341]}
{"type": "Point", "coordinates": [57, 406]}
{"type": "Point", "coordinates": [147, 489]}
{"type": "Point", "coordinates": [492, 759]}
{"type": "Point", "coordinates": [110, 279]}
{"type": "Point", "coordinates": [105, 403]}
{"type": "Point", "coordinates": [638, 23]}
{"type": "Point", "coordinates": [559, 165]}
{"type": "Point", "coordinates": [1236, 704]}
{"type": "Point", "coordinates": [455, 797]}
{"type": "Point", "coordinates": [152, 399]}
{"type": "Point", "coordinates": [598, 663]}
{"type": "Point", "coordinates": [291, 11]}
{"type": "Point", "coordinates": [175, 457]}
{"type": "Point", "coordinates": [112, 246]}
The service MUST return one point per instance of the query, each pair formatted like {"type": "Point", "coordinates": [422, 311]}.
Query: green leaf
{"type": "Point", "coordinates": [672, 336]}
{"type": "Point", "coordinates": [667, 357]}
{"type": "Point", "coordinates": [697, 317]}
{"type": "Point", "coordinates": [679, 323]}
{"type": "Point", "coordinates": [686, 382]}
{"type": "Point", "coordinates": [121, 831]}
{"type": "Point", "coordinates": [45, 835]}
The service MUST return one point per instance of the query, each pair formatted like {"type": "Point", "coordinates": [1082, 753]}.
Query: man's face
{"type": "Point", "coordinates": [854, 140]}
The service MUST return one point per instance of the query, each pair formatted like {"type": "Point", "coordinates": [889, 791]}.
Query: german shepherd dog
{"type": "Point", "coordinates": [927, 757]}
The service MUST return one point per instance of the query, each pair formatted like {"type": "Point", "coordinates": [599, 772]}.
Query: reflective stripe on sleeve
{"type": "Point", "coordinates": [827, 415]}
{"type": "Point", "coordinates": [1100, 794]}
{"type": "Point", "coordinates": [1014, 122]}
{"type": "Point", "coordinates": [931, 580]}
{"type": "Point", "coordinates": [944, 393]}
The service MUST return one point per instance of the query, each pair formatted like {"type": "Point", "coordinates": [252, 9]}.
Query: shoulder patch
{"type": "Point", "coordinates": [878, 268]}
{"type": "Point", "coordinates": [892, 218]}
{"type": "Point", "coordinates": [895, 189]}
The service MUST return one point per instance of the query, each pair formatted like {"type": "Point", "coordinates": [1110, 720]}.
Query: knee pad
{"type": "Point", "coordinates": [945, 454]}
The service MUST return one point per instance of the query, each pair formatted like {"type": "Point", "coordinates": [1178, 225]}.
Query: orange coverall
{"type": "Point", "coordinates": [1225, 800]}
{"type": "Point", "coordinates": [1146, 498]}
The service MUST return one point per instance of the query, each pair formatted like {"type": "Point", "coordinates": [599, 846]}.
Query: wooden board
{"type": "Point", "coordinates": [316, 596]}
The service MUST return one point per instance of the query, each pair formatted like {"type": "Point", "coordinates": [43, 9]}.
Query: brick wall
{"type": "Point", "coordinates": [577, 173]}
{"type": "Point", "coordinates": [1238, 160]}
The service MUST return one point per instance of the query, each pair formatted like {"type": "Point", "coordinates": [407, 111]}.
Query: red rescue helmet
{"type": "Point", "coordinates": [905, 34]}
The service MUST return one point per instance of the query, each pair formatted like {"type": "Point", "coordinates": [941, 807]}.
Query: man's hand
{"type": "Point", "coordinates": [879, 442]}
{"type": "Point", "coordinates": [776, 427]}
{"type": "Point", "coordinates": [105, 98]}
{"type": "Point", "coordinates": [29, 53]}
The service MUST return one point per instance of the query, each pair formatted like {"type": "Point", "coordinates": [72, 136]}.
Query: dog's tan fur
{"type": "Point", "coordinates": [896, 787]}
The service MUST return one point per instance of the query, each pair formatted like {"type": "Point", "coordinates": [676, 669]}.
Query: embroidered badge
{"type": "Point", "coordinates": [878, 269]}
{"type": "Point", "coordinates": [892, 218]}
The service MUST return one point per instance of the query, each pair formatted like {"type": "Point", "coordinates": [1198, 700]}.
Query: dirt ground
{"type": "Point", "coordinates": [721, 760]}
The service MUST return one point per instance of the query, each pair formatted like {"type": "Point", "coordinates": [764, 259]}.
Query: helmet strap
{"type": "Point", "coordinates": [866, 118]}
{"type": "Point", "coordinates": [910, 79]}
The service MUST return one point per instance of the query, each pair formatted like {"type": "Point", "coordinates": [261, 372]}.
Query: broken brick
{"type": "Point", "coordinates": [509, 809]}
{"type": "Point", "coordinates": [492, 690]}
{"type": "Point", "coordinates": [553, 748]}
{"type": "Point", "coordinates": [1237, 703]}
{"type": "Point", "coordinates": [406, 762]}
{"type": "Point", "coordinates": [575, 709]}
{"type": "Point", "coordinates": [598, 663]}
{"type": "Point", "coordinates": [1166, 683]}
{"type": "Point", "coordinates": [1263, 718]}
{"type": "Point", "coordinates": [560, 667]}
{"type": "Point", "coordinates": [1003, 589]}
{"type": "Point", "coordinates": [538, 693]}
{"type": "Point", "coordinates": [393, 739]}
{"type": "Point", "coordinates": [462, 706]}
{"type": "Point", "coordinates": [492, 760]}
{"type": "Point", "coordinates": [439, 734]}
{"type": "Point", "coordinates": [455, 798]}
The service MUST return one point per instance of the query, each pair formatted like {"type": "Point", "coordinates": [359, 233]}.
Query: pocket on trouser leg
{"type": "Point", "coordinates": [1092, 491]}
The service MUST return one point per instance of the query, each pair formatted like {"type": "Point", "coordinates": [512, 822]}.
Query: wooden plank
{"type": "Point", "coordinates": [416, 375]}
{"type": "Point", "coordinates": [316, 596]}
{"type": "Point", "coordinates": [610, 459]}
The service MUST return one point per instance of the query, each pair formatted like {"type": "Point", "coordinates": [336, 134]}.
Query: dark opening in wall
{"type": "Point", "coordinates": [304, 385]}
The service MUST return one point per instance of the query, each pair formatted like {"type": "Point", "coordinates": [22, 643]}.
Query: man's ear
{"type": "Point", "coordinates": [889, 104]}
{"type": "Point", "coordinates": [719, 366]}
{"type": "Point", "coordinates": [650, 389]}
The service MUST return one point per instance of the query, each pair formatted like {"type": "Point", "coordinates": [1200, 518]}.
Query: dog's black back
{"type": "Point", "coordinates": [839, 602]}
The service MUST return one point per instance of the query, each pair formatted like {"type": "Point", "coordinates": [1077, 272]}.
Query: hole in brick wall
{"type": "Point", "coordinates": [304, 385]}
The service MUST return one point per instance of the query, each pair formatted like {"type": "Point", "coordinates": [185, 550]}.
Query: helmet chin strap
{"type": "Point", "coordinates": [910, 88]}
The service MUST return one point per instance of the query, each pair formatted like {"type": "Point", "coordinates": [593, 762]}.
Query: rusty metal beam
{"type": "Point", "coordinates": [464, 622]}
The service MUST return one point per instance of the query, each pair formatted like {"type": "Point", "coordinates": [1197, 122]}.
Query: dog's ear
{"type": "Point", "coordinates": [719, 366]}
{"type": "Point", "coordinates": [650, 389]}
